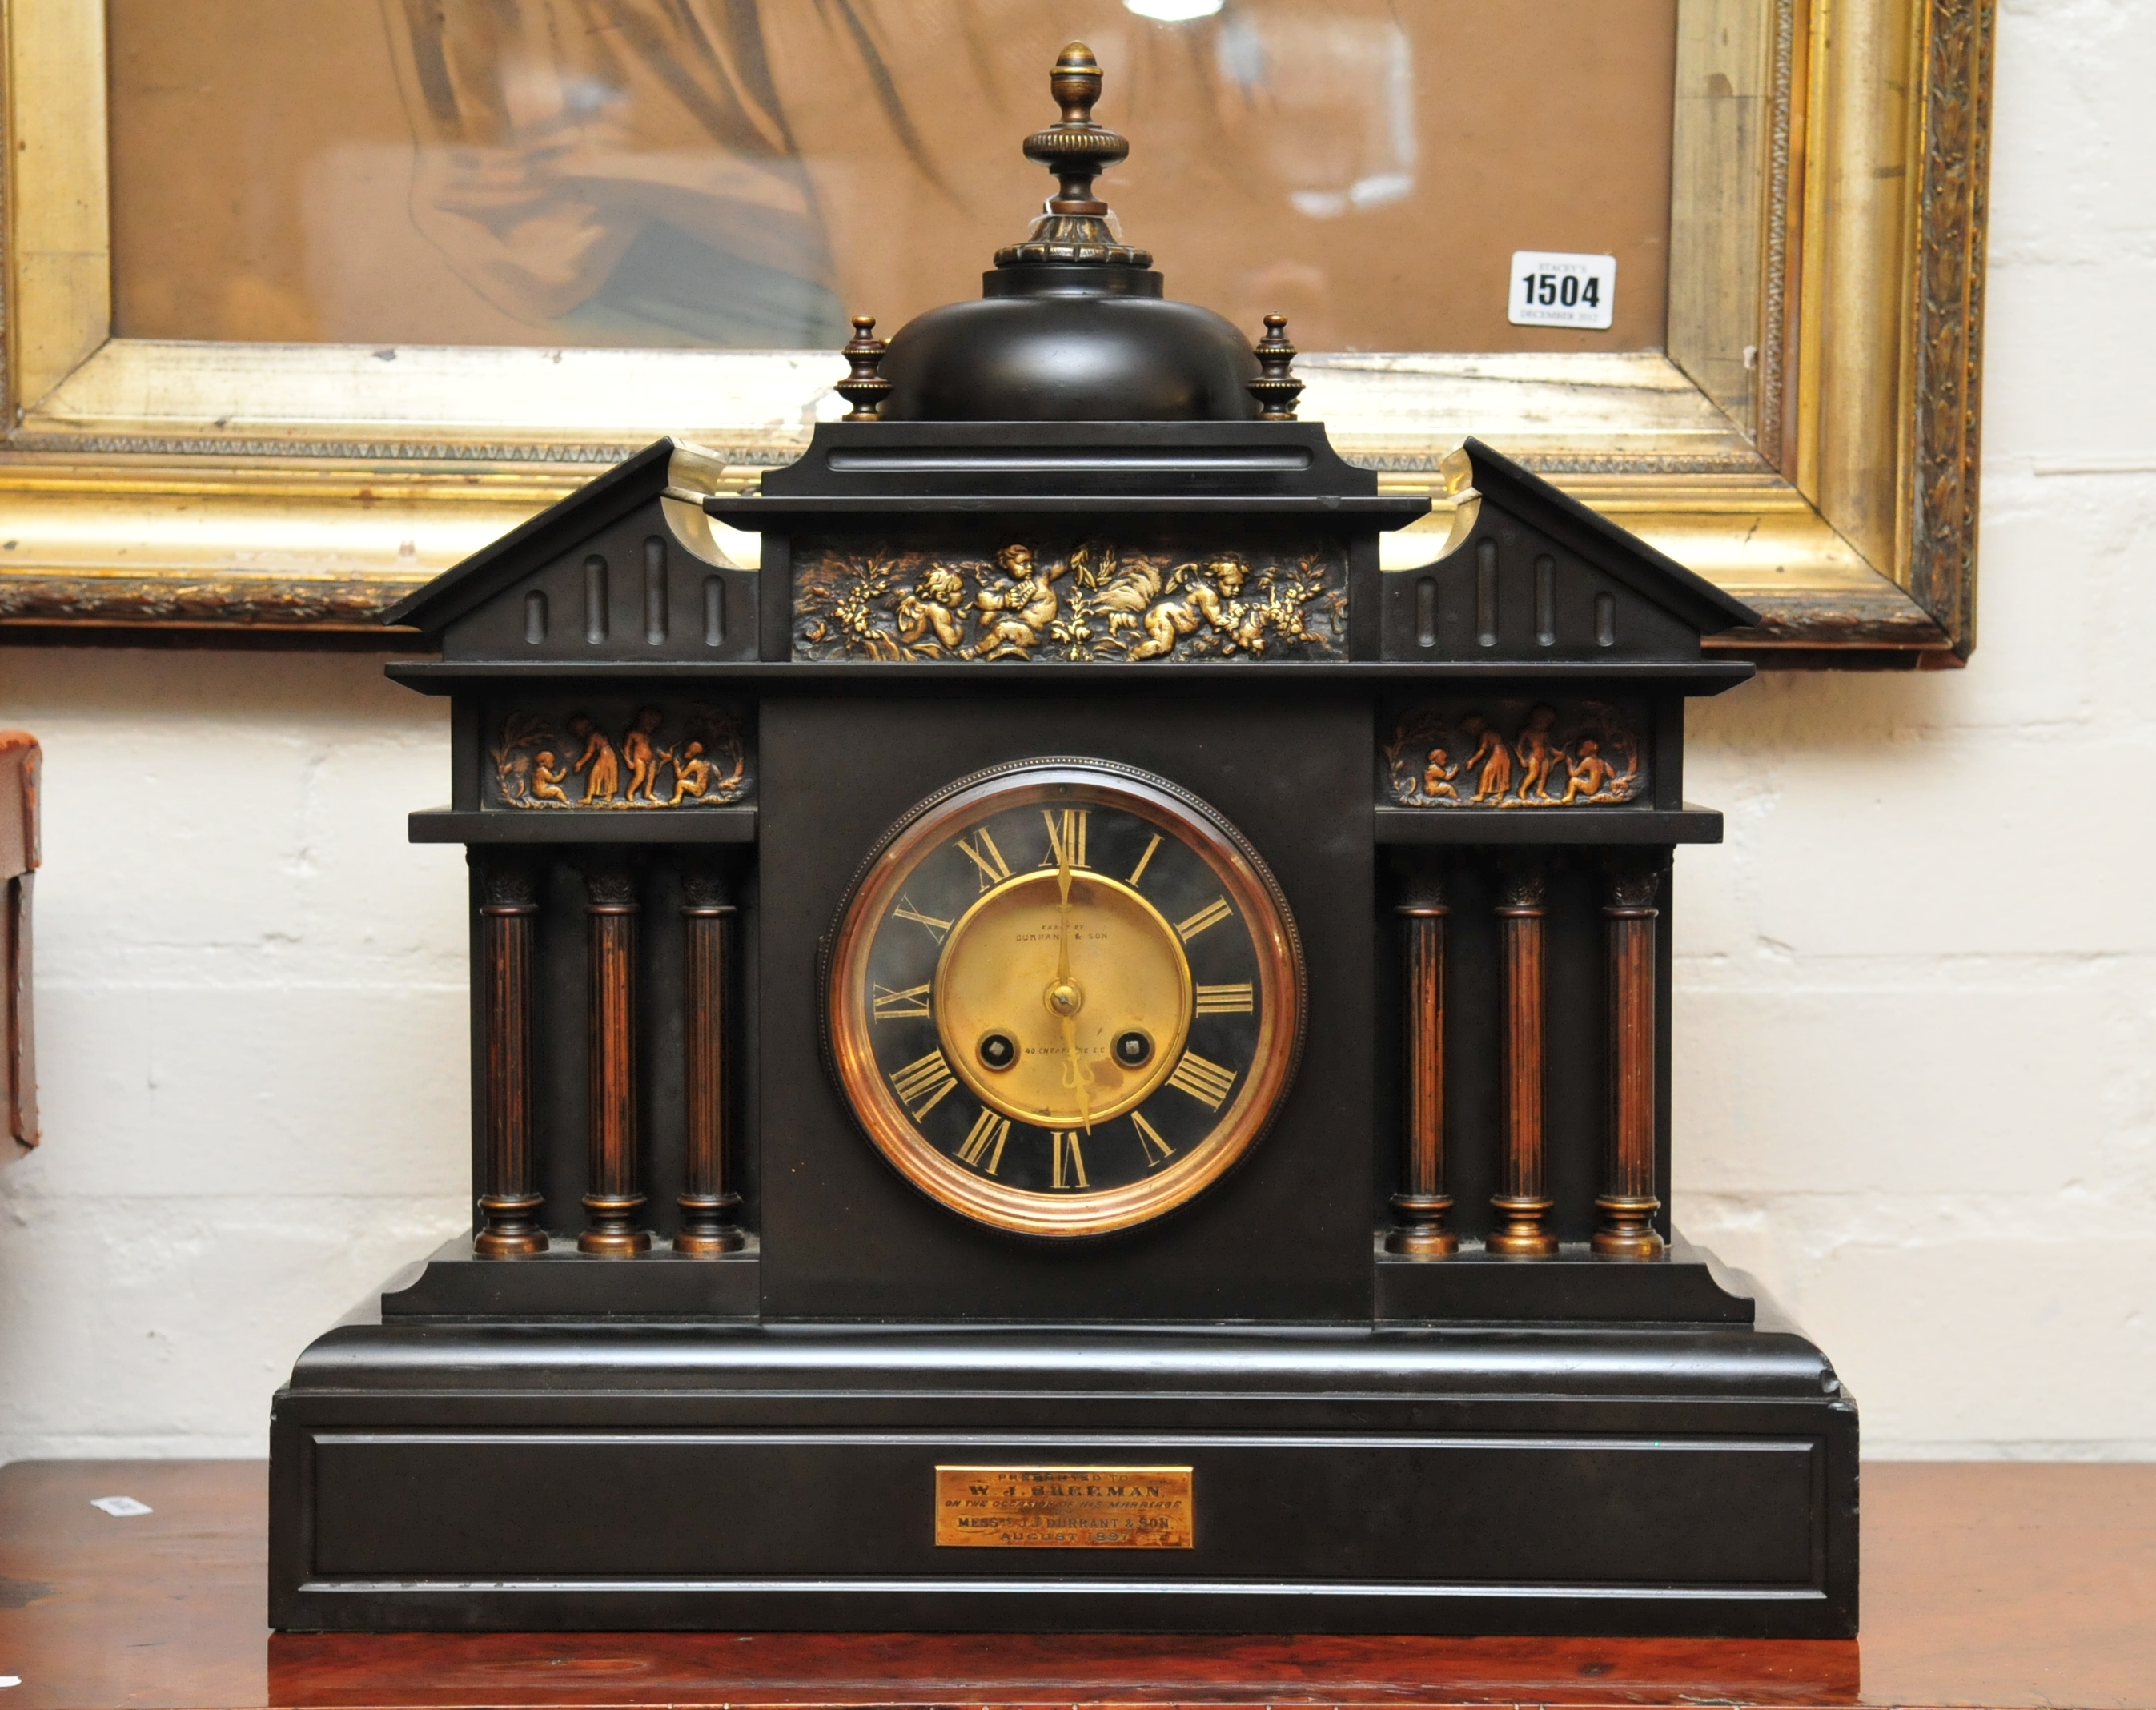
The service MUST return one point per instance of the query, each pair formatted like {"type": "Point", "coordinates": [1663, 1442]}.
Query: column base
{"type": "Point", "coordinates": [1627, 1230]}
{"type": "Point", "coordinates": [1422, 1233]}
{"type": "Point", "coordinates": [508, 1232]}
{"type": "Point", "coordinates": [613, 1234]}
{"type": "Point", "coordinates": [707, 1226]}
{"type": "Point", "coordinates": [1523, 1235]}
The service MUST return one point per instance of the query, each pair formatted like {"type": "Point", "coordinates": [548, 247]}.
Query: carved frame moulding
{"type": "Point", "coordinates": [1807, 439]}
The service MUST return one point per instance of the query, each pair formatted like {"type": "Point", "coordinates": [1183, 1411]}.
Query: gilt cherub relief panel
{"type": "Point", "coordinates": [1096, 600]}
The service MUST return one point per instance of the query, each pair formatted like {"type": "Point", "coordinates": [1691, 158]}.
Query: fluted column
{"type": "Point", "coordinates": [1522, 922]}
{"type": "Point", "coordinates": [509, 911]}
{"type": "Point", "coordinates": [611, 1199]}
{"type": "Point", "coordinates": [709, 1204]}
{"type": "Point", "coordinates": [1627, 1204]}
{"type": "Point", "coordinates": [1422, 1206]}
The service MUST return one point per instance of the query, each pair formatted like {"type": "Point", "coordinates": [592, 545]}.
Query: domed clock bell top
{"type": "Point", "coordinates": [1067, 1050]}
{"type": "Point", "coordinates": [1071, 324]}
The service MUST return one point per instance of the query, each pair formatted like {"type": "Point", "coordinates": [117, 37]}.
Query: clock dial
{"type": "Point", "coordinates": [1064, 997]}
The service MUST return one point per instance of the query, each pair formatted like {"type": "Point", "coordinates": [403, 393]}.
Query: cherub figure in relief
{"type": "Point", "coordinates": [1537, 754]}
{"type": "Point", "coordinates": [637, 748]}
{"type": "Point", "coordinates": [1437, 776]}
{"type": "Point", "coordinates": [692, 773]}
{"type": "Point", "coordinates": [1491, 756]}
{"type": "Point", "coordinates": [1203, 599]}
{"type": "Point", "coordinates": [547, 779]}
{"type": "Point", "coordinates": [1589, 774]}
{"type": "Point", "coordinates": [931, 608]}
{"type": "Point", "coordinates": [604, 782]}
{"type": "Point", "coordinates": [1015, 612]}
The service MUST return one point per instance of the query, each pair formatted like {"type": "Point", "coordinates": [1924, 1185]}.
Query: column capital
{"type": "Point", "coordinates": [508, 880]}
{"type": "Point", "coordinates": [1633, 878]}
{"type": "Point", "coordinates": [1522, 882]}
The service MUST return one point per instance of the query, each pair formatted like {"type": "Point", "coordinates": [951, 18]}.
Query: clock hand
{"type": "Point", "coordinates": [1076, 1075]}
{"type": "Point", "coordinates": [1063, 913]}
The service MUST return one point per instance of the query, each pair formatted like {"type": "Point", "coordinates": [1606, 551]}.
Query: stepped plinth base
{"type": "Point", "coordinates": [1613, 1478]}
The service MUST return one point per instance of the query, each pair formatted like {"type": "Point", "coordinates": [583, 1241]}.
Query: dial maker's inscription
{"type": "Point", "coordinates": [1065, 1507]}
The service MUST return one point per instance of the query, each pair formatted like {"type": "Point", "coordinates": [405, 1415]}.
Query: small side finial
{"type": "Point", "coordinates": [1076, 225]}
{"type": "Point", "coordinates": [1276, 389]}
{"type": "Point", "coordinates": [862, 388]}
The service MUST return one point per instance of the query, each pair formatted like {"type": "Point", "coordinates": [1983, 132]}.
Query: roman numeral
{"type": "Point", "coordinates": [1067, 1164]}
{"type": "Point", "coordinates": [886, 1005]}
{"type": "Point", "coordinates": [1145, 860]}
{"type": "Point", "coordinates": [938, 930]}
{"type": "Point", "coordinates": [985, 1139]}
{"type": "Point", "coordinates": [1221, 1000]}
{"type": "Point", "coordinates": [1149, 1138]}
{"type": "Point", "coordinates": [987, 858]}
{"type": "Point", "coordinates": [922, 1083]}
{"type": "Point", "coordinates": [1211, 915]}
{"type": "Point", "coordinates": [1067, 832]}
{"type": "Point", "coordinates": [1206, 1082]}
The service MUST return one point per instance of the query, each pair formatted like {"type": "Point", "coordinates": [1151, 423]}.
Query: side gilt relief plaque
{"type": "Point", "coordinates": [1507, 754]}
{"type": "Point", "coordinates": [651, 757]}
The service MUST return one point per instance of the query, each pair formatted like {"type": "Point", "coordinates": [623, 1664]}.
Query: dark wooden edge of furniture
{"type": "Point", "coordinates": [1994, 1584]}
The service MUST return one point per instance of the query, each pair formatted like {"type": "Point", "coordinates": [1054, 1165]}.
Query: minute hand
{"type": "Point", "coordinates": [1076, 1073]}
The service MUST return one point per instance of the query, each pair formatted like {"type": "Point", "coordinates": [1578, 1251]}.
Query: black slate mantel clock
{"type": "Point", "coordinates": [1067, 1052]}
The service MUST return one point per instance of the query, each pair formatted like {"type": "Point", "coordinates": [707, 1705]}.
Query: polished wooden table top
{"type": "Point", "coordinates": [1994, 1584]}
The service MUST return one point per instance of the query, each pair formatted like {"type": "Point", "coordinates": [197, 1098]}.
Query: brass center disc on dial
{"type": "Point", "coordinates": [1000, 973]}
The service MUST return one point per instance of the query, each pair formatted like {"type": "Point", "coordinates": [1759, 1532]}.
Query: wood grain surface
{"type": "Point", "coordinates": [1990, 1585]}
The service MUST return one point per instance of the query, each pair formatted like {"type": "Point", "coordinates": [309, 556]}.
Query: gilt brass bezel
{"type": "Point", "coordinates": [1247, 882]}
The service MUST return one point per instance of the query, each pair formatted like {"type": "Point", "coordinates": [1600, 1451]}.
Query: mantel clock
{"type": "Point", "coordinates": [1066, 1050]}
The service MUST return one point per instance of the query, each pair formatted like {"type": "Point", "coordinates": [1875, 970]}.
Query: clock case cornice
{"type": "Point", "coordinates": [866, 484]}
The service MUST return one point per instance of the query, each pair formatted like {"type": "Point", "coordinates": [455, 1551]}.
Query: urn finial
{"type": "Point", "coordinates": [1077, 225]}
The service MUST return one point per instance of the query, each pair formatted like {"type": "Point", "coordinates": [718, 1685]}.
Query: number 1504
{"type": "Point", "coordinates": [1551, 290]}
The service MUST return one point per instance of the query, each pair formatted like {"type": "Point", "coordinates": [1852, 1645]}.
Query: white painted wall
{"type": "Point", "coordinates": [1917, 1044]}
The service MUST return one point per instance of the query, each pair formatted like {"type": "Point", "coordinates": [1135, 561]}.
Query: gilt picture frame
{"type": "Point", "coordinates": [1807, 439]}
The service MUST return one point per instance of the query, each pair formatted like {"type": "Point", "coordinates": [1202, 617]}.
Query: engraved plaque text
{"type": "Point", "coordinates": [1064, 1507]}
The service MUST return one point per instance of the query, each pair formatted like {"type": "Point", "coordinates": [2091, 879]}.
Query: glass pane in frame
{"type": "Point", "coordinates": [742, 174]}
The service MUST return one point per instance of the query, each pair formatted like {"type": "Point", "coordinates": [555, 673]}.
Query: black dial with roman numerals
{"type": "Point", "coordinates": [1063, 996]}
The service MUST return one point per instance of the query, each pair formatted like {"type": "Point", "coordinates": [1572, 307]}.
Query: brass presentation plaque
{"type": "Point", "coordinates": [1064, 1507]}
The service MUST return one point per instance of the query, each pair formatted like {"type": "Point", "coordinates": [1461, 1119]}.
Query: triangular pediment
{"type": "Point", "coordinates": [1538, 577]}
{"type": "Point", "coordinates": [622, 570]}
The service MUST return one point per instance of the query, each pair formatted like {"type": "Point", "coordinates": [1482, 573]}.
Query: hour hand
{"type": "Point", "coordinates": [1063, 913]}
